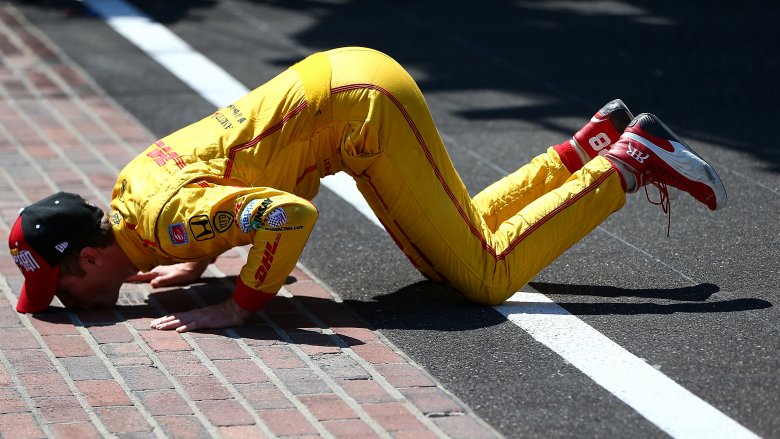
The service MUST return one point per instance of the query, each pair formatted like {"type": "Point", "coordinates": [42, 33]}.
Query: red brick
{"type": "Point", "coordinates": [241, 432]}
{"type": "Point", "coordinates": [350, 429]}
{"type": "Point", "coordinates": [183, 363]}
{"type": "Point", "coordinates": [164, 402]}
{"type": "Point", "coordinates": [263, 396]}
{"type": "Point", "coordinates": [431, 400]}
{"type": "Point", "coordinates": [414, 434]}
{"type": "Point", "coordinates": [376, 352]}
{"type": "Point", "coordinates": [314, 343]}
{"type": "Point", "coordinates": [225, 412]}
{"type": "Point", "coordinates": [19, 425]}
{"type": "Point", "coordinates": [111, 334]}
{"type": "Point", "coordinates": [221, 349]}
{"type": "Point", "coordinates": [116, 350]}
{"type": "Point", "coordinates": [279, 357]}
{"type": "Point", "coordinates": [260, 335]}
{"type": "Point", "coordinates": [96, 316]}
{"type": "Point", "coordinates": [241, 371]}
{"type": "Point", "coordinates": [365, 391]}
{"type": "Point", "coordinates": [11, 401]}
{"type": "Point", "coordinates": [85, 368]}
{"type": "Point", "coordinates": [140, 319]}
{"type": "Point", "coordinates": [403, 375]}
{"type": "Point", "coordinates": [44, 384]}
{"type": "Point", "coordinates": [302, 381]}
{"type": "Point", "coordinates": [204, 387]}
{"type": "Point", "coordinates": [393, 416]}
{"type": "Point", "coordinates": [144, 378]}
{"type": "Point", "coordinates": [29, 360]}
{"type": "Point", "coordinates": [462, 427]}
{"type": "Point", "coordinates": [8, 316]}
{"type": "Point", "coordinates": [67, 346]}
{"type": "Point", "coordinates": [78, 430]}
{"type": "Point", "coordinates": [287, 422]}
{"type": "Point", "coordinates": [327, 407]}
{"type": "Point", "coordinates": [165, 341]}
{"type": "Point", "coordinates": [341, 366]}
{"type": "Point", "coordinates": [61, 409]}
{"type": "Point", "coordinates": [122, 419]}
{"type": "Point", "coordinates": [355, 333]}
{"type": "Point", "coordinates": [101, 393]}
{"type": "Point", "coordinates": [292, 320]}
{"type": "Point", "coordinates": [5, 379]}
{"type": "Point", "coordinates": [304, 288]}
{"type": "Point", "coordinates": [18, 338]}
{"type": "Point", "coordinates": [182, 427]}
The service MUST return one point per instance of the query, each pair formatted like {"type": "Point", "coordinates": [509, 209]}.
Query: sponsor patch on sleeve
{"type": "Point", "coordinates": [245, 217]}
{"type": "Point", "coordinates": [276, 218]}
{"type": "Point", "coordinates": [178, 234]}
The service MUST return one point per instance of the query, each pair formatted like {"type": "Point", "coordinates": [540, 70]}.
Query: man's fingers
{"type": "Point", "coordinates": [166, 323]}
{"type": "Point", "coordinates": [161, 320]}
{"type": "Point", "coordinates": [142, 277]}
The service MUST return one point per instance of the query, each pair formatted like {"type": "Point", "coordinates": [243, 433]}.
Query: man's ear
{"type": "Point", "coordinates": [90, 258]}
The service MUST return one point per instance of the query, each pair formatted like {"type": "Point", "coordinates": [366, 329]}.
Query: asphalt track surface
{"type": "Point", "coordinates": [504, 80]}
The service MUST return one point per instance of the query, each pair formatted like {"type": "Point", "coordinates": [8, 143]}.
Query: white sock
{"type": "Point", "coordinates": [628, 173]}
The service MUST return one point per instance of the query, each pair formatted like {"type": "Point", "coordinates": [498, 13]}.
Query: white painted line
{"type": "Point", "coordinates": [344, 186]}
{"type": "Point", "coordinates": [204, 76]}
{"type": "Point", "coordinates": [651, 393]}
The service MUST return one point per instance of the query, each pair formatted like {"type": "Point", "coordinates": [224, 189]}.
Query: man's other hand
{"type": "Point", "coordinates": [169, 275]}
{"type": "Point", "coordinates": [222, 315]}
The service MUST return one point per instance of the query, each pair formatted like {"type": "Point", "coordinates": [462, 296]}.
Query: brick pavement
{"type": "Point", "coordinates": [304, 367]}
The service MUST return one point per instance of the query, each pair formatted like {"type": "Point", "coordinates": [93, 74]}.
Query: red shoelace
{"type": "Point", "coordinates": [666, 206]}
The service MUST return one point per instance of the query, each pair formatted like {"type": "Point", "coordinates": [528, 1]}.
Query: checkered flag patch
{"type": "Point", "coordinates": [276, 218]}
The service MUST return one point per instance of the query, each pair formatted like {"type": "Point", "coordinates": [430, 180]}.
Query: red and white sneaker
{"type": "Point", "coordinates": [654, 154]}
{"type": "Point", "coordinates": [604, 128]}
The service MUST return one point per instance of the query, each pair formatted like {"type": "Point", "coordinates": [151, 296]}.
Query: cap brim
{"type": "Point", "coordinates": [38, 290]}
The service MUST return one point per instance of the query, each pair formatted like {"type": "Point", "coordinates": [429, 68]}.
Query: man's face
{"type": "Point", "coordinates": [98, 289]}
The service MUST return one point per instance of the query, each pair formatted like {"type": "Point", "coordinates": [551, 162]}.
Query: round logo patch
{"type": "Point", "coordinates": [276, 218]}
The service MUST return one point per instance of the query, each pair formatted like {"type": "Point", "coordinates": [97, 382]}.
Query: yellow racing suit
{"type": "Point", "coordinates": [245, 175]}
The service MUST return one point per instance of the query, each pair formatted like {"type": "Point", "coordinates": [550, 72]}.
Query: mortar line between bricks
{"type": "Point", "coordinates": [88, 409]}
{"type": "Point", "coordinates": [375, 375]}
{"type": "Point", "coordinates": [20, 149]}
{"type": "Point", "coordinates": [15, 187]}
{"type": "Point", "coordinates": [95, 346]}
{"type": "Point", "coordinates": [337, 389]}
{"type": "Point", "coordinates": [203, 419]}
{"type": "Point", "coordinates": [218, 374]}
{"type": "Point", "coordinates": [467, 411]}
{"type": "Point", "coordinates": [328, 380]}
{"type": "Point", "coordinates": [74, 97]}
{"type": "Point", "coordinates": [49, 142]}
{"type": "Point", "coordinates": [300, 406]}
{"type": "Point", "coordinates": [24, 116]}
{"type": "Point", "coordinates": [36, 413]}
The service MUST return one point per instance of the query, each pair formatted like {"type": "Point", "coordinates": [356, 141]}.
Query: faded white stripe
{"type": "Point", "coordinates": [652, 394]}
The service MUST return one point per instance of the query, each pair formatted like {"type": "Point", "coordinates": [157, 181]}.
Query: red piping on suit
{"type": "Point", "coordinates": [473, 228]}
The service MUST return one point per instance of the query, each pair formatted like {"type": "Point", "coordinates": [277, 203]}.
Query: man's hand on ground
{"type": "Point", "coordinates": [168, 275]}
{"type": "Point", "coordinates": [222, 315]}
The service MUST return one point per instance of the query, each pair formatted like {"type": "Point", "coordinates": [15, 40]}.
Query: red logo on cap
{"type": "Point", "coordinates": [25, 260]}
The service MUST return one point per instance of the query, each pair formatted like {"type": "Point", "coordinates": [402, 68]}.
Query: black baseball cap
{"type": "Point", "coordinates": [42, 237]}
